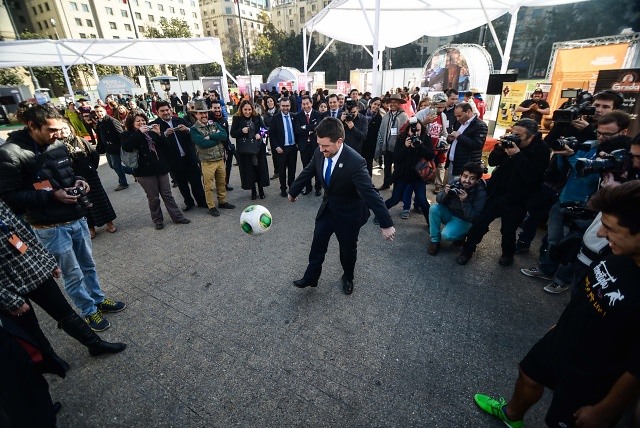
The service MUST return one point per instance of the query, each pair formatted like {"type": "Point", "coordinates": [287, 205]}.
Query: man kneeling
{"type": "Point", "coordinates": [458, 206]}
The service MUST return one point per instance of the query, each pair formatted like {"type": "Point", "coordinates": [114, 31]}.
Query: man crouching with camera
{"type": "Point", "coordinates": [520, 160]}
{"type": "Point", "coordinates": [458, 206]}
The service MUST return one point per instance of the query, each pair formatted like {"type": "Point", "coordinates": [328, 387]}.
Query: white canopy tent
{"type": "Point", "coordinates": [119, 52]}
{"type": "Point", "coordinates": [393, 23]}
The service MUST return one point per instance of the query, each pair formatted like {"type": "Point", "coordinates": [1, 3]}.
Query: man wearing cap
{"type": "Point", "coordinates": [534, 108]}
{"type": "Point", "coordinates": [390, 127]}
{"type": "Point", "coordinates": [209, 138]}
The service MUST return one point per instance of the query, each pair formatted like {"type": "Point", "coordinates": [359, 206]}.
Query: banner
{"type": "Point", "coordinates": [342, 87]}
{"type": "Point", "coordinates": [513, 94]}
{"type": "Point", "coordinates": [116, 84]}
{"type": "Point", "coordinates": [213, 83]}
{"type": "Point", "coordinates": [302, 82]}
{"type": "Point", "coordinates": [286, 85]}
{"type": "Point", "coordinates": [627, 83]}
{"type": "Point", "coordinates": [244, 83]}
{"type": "Point", "coordinates": [461, 67]}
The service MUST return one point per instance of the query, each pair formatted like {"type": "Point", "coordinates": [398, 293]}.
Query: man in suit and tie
{"type": "Point", "coordinates": [305, 124]}
{"type": "Point", "coordinates": [283, 145]}
{"type": "Point", "coordinates": [334, 107]}
{"type": "Point", "coordinates": [348, 196]}
{"type": "Point", "coordinates": [467, 140]}
{"type": "Point", "coordinates": [183, 162]}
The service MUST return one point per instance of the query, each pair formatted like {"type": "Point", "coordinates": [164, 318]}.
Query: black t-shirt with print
{"type": "Point", "coordinates": [533, 114]}
{"type": "Point", "coordinates": [597, 337]}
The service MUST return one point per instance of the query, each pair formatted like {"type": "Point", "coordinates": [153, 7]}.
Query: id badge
{"type": "Point", "coordinates": [394, 131]}
{"type": "Point", "coordinates": [43, 185]}
{"type": "Point", "coordinates": [17, 243]}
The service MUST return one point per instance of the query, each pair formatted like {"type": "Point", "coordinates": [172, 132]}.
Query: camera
{"type": "Point", "coordinates": [579, 104]}
{"type": "Point", "coordinates": [509, 141]}
{"type": "Point", "coordinates": [455, 189]}
{"type": "Point", "coordinates": [442, 144]}
{"type": "Point", "coordinates": [82, 196]}
{"type": "Point", "coordinates": [350, 117]}
{"type": "Point", "coordinates": [616, 162]}
{"type": "Point", "coordinates": [413, 124]}
{"type": "Point", "coordinates": [572, 143]}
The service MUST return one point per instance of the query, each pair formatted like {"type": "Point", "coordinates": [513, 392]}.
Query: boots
{"type": "Point", "coordinates": [75, 327]}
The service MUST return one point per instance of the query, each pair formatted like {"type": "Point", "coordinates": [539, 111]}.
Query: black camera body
{"type": "Point", "coordinates": [82, 196]}
{"type": "Point", "coordinates": [575, 108]}
{"type": "Point", "coordinates": [572, 143]}
{"type": "Point", "coordinates": [509, 141]}
{"type": "Point", "coordinates": [616, 162]}
{"type": "Point", "coordinates": [350, 117]}
{"type": "Point", "coordinates": [455, 189]}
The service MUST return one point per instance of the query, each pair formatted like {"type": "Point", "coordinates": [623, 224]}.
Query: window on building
{"type": "Point", "coordinates": [182, 12]}
{"type": "Point", "coordinates": [116, 37]}
{"type": "Point", "coordinates": [79, 22]}
{"type": "Point", "coordinates": [89, 23]}
{"type": "Point", "coordinates": [141, 28]}
{"type": "Point", "coordinates": [127, 27]}
{"type": "Point", "coordinates": [151, 18]}
{"type": "Point", "coordinates": [46, 6]}
{"type": "Point", "coordinates": [35, 12]}
{"type": "Point", "coordinates": [196, 26]}
{"type": "Point", "coordinates": [193, 3]}
{"type": "Point", "coordinates": [244, 12]}
{"type": "Point", "coordinates": [229, 22]}
{"type": "Point", "coordinates": [93, 36]}
{"type": "Point", "coordinates": [313, 7]}
{"type": "Point", "coordinates": [85, 7]}
{"type": "Point", "coordinates": [195, 15]}
{"type": "Point", "coordinates": [148, 4]}
{"type": "Point", "coordinates": [113, 25]}
{"type": "Point", "coordinates": [208, 33]}
{"type": "Point", "coordinates": [172, 9]}
{"type": "Point", "coordinates": [138, 15]}
{"type": "Point", "coordinates": [536, 13]}
{"type": "Point", "coordinates": [181, 1]}
{"type": "Point", "coordinates": [160, 7]}
{"type": "Point", "coordinates": [206, 24]}
{"type": "Point", "coordinates": [109, 10]}
{"type": "Point", "coordinates": [258, 26]}
{"type": "Point", "coordinates": [252, 25]}
{"type": "Point", "coordinates": [215, 32]}
{"type": "Point", "coordinates": [291, 23]}
{"type": "Point", "coordinates": [227, 10]}
{"type": "Point", "coordinates": [279, 13]}
{"type": "Point", "coordinates": [302, 11]}
{"type": "Point", "coordinates": [40, 26]}
{"type": "Point", "coordinates": [46, 24]}
{"type": "Point", "coordinates": [74, 5]}
{"type": "Point", "coordinates": [40, 8]}
{"type": "Point", "coordinates": [124, 13]}
{"type": "Point", "coordinates": [215, 23]}
{"type": "Point", "coordinates": [83, 36]}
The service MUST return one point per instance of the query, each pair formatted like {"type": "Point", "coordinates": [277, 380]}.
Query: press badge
{"type": "Point", "coordinates": [18, 244]}
{"type": "Point", "coordinates": [43, 185]}
{"type": "Point", "coordinates": [394, 131]}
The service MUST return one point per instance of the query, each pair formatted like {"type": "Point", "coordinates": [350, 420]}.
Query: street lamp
{"type": "Point", "coordinates": [53, 24]}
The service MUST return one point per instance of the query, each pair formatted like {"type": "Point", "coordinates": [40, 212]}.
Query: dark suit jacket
{"type": "Point", "coordinates": [350, 194]}
{"type": "Point", "coordinates": [173, 153]}
{"type": "Point", "coordinates": [277, 132]}
{"type": "Point", "coordinates": [305, 133]}
{"type": "Point", "coordinates": [469, 146]}
{"type": "Point", "coordinates": [108, 132]}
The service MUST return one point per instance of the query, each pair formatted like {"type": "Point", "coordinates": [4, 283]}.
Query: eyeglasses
{"type": "Point", "coordinates": [607, 134]}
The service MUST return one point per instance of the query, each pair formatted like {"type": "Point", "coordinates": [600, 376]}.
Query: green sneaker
{"type": "Point", "coordinates": [494, 407]}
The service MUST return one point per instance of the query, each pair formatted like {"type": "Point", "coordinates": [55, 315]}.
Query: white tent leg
{"type": "Point", "coordinates": [493, 31]}
{"type": "Point", "coordinates": [305, 57]}
{"type": "Point", "coordinates": [64, 71]}
{"type": "Point", "coordinates": [509, 43]}
{"type": "Point", "coordinates": [376, 52]}
{"type": "Point", "coordinates": [326, 48]}
{"type": "Point", "coordinates": [95, 73]}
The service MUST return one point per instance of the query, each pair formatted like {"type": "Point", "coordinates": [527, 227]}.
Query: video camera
{"type": "Point", "coordinates": [509, 141]}
{"type": "Point", "coordinates": [571, 142]}
{"type": "Point", "coordinates": [413, 126]}
{"type": "Point", "coordinates": [80, 192]}
{"type": "Point", "coordinates": [616, 162]}
{"type": "Point", "coordinates": [579, 104]}
{"type": "Point", "coordinates": [348, 105]}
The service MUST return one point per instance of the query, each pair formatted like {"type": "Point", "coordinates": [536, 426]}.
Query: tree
{"type": "Point", "coordinates": [173, 28]}
{"type": "Point", "coordinates": [10, 77]}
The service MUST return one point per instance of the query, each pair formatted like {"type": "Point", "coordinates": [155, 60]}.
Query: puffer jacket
{"type": "Point", "coordinates": [18, 163]}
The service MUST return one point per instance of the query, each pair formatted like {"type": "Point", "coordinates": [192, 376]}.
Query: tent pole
{"type": "Point", "coordinates": [509, 43]}
{"type": "Point", "coordinates": [95, 73]}
{"type": "Point", "coordinates": [321, 53]}
{"type": "Point", "coordinates": [64, 71]}
{"type": "Point", "coordinates": [493, 30]}
{"type": "Point", "coordinates": [305, 56]}
{"type": "Point", "coordinates": [376, 52]}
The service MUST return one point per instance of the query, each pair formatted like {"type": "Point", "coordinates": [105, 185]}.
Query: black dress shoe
{"type": "Point", "coordinates": [229, 188]}
{"type": "Point", "coordinates": [318, 192]}
{"type": "Point", "coordinates": [188, 208]}
{"type": "Point", "coordinates": [283, 193]}
{"type": "Point", "coordinates": [302, 283]}
{"type": "Point", "coordinates": [463, 258]}
{"type": "Point", "coordinates": [505, 260]}
{"type": "Point", "coordinates": [347, 285]}
{"type": "Point", "coordinates": [306, 191]}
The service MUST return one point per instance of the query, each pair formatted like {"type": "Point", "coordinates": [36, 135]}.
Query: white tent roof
{"type": "Point", "coordinates": [44, 52]}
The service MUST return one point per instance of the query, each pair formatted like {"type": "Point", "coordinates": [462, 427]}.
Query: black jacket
{"type": "Point", "coordinates": [354, 137]}
{"type": "Point", "coordinates": [405, 158]}
{"type": "Point", "coordinates": [19, 158]}
{"type": "Point", "coordinates": [149, 163]}
{"type": "Point", "coordinates": [519, 176]}
{"type": "Point", "coordinates": [108, 131]}
{"type": "Point", "coordinates": [172, 150]}
{"type": "Point", "coordinates": [469, 145]}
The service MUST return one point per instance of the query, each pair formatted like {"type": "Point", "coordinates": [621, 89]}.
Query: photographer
{"type": "Point", "coordinates": [413, 144]}
{"type": "Point", "coordinates": [458, 206]}
{"type": "Point", "coordinates": [584, 127]}
{"type": "Point", "coordinates": [355, 125]}
{"type": "Point", "coordinates": [520, 160]}
{"type": "Point", "coordinates": [534, 108]}
{"type": "Point", "coordinates": [577, 189]}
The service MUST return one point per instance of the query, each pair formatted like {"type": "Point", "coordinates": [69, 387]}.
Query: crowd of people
{"type": "Point", "coordinates": [53, 201]}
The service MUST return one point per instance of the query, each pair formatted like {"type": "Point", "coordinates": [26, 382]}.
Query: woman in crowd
{"type": "Point", "coordinates": [323, 107]}
{"type": "Point", "coordinates": [153, 170]}
{"type": "Point", "coordinates": [71, 113]}
{"type": "Point", "coordinates": [374, 114]}
{"type": "Point", "coordinates": [252, 153]}
{"type": "Point", "coordinates": [85, 160]}
{"type": "Point", "coordinates": [412, 144]}
{"type": "Point", "coordinates": [270, 109]}
{"type": "Point", "coordinates": [121, 113]}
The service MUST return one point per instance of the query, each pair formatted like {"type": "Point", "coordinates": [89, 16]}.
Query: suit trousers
{"type": "Point", "coordinates": [347, 239]}
{"type": "Point", "coordinates": [287, 162]}
{"type": "Point", "coordinates": [306, 157]}
{"type": "Point", "coordinates": [511, 217]}
{"type": "Point", "coordinates": [229, 163]}
{"type": "Point", "coordinates": [156, 187]}
{"type": "Point", "coordinates": [188, 174]}
{"type": "Point", "coordinates": [214, 171]}
{"type": "Point", "coordinates": [388, 168]}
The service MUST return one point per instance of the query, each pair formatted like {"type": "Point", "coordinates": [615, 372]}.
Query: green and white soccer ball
{"type": "Point", "coordinates": [255, 220]}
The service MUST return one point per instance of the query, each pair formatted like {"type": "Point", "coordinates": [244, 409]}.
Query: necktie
{"type": "Point", "coordinates": [327, 173]}
{"type": "Point", "coordinates": [287, 120]}
{"type": "Point", "coordinates": [333, 114]}
{"type": "Point", "coordinates": [307, 118]}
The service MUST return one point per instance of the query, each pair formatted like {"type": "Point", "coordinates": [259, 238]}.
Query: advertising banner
{"type": "Point", "coordinates": [457, 66]}
{"type": "Point", "coordinates": [627, 83]}
{"type": "Point", "coordinates": [286, 85]}
{"type": "Point", "coordinates": [513, 94]}
{"type": "Point", "coordinates": [342, 87]}
{"type": "Point", "coordinates": [213, 83]}
{"type": "Point", "coordinates": [244, 83]}
{"type": "Point", "coordinates": [116, 84]}
{"type": "Point", "coordinates": [302, 82]}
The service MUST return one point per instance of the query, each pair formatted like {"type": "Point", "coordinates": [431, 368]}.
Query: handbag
{"type": "Point", "coordinates": [247, 146]}
{"type": "Point", "coordinates": [426, 169]}
{"type": "Point", "coordinates": [129, 159]}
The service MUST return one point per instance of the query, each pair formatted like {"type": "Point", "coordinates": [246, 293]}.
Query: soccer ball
{"type": "Point", "coordinates": [255, 220]}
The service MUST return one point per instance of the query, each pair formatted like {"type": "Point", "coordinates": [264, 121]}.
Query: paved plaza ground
{"type": "Point", "coordinates": [219, 337]}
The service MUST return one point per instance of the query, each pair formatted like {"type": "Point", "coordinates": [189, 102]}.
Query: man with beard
{"type": "Point", "coordinates": [216, 114]}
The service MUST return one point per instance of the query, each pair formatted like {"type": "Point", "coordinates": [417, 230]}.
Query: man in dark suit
{"type": "Point", "coordinates": [348, 196]}
{"type": "Point", "coordinates": [108, 132]}
{"type": "Point", "coordinates": [283, 145]}
{"type": "Point", "coordinates": [183, 161]}
{"type": "Point", "coordinates": [305, 124]}
{"type": "Point", "coordinates": [467, 140]}
{"type": "Point", "coordinates": [355, 125]}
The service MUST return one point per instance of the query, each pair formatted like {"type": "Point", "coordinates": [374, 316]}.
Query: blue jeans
{"type": "Point", "coordinates": [454, 228]}
{"type": "Point", "coordinates": [70, 244]}
{"type": "Point", "coordinates": [116, 164]}
{"type": "Point", "coordinates": [420, 189]}
{"type": "Point", "coordinates": [555, 232]}
{"type": "Point", "coordinates": [406, 198]}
